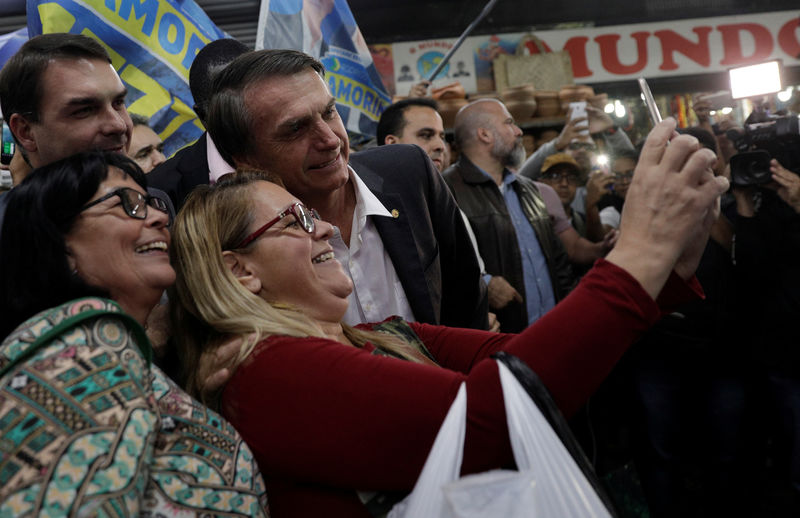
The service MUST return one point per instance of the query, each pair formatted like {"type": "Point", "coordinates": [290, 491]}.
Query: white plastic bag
{"type": "Point", "coordinates": [561, 487]}
{"type": "Point", "coordinates": [493, 493]}
{"type": "Point", "coordinates": [443, 465]}
{"type": "Point", "coordinates": [549, 482]}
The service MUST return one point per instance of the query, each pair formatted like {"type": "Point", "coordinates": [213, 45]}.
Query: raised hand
{"type": "Point", "coordinates": [788, 184]}
{"type": "Point", "coordinates": [670, 206]}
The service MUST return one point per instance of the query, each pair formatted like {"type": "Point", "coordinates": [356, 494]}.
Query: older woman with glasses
{"type": "Point", "coordinates": [331, 410]}
{"type": "Point", "coordinates": [89, 426]}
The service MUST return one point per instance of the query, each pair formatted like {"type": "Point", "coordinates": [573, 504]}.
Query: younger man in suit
{"type": "Point", "coordinates": [60, 96]}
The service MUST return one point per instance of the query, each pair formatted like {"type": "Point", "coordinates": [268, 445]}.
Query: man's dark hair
{"type": "Point", "coordinates": [393, 122]}
{"type": "Point", "coordinates": [21, 77]}
{"type": "Point", "coordinates": [139, 120]}
{"type": "Point", "coordinates": [41, 211]}
{"type": "Point", "coordinates": [209, 61]}
{"type": "Point", "coordinates": [229, 120]}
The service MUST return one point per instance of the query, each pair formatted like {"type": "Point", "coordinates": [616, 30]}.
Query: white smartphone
{"type": "Point", "coordinates": [647, 95]}
{"type": "Point", "coordinates": [578, 110]}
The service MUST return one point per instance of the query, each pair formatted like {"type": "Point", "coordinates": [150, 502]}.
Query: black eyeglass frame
{"type": "Point", "coordinates": [303, 215]}
{"type": "Point", "coordinates": [144, 200]}
{"type": "Point", "coordinates": [571, 176]}
{"type": "Point", "coordinates": [624, 175]}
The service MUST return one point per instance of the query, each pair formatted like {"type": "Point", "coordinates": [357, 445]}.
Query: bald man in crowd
{"type": "Point", "coordinates": [527, 262]}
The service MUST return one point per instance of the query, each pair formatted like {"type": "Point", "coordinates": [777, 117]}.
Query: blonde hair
{"type": "Point", "coordinates": [209, 305]}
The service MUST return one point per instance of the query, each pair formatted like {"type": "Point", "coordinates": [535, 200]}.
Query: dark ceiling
{"type": "Point", "coordinates": [388, 21]}
{"type": "Point", "coordinates": [385, 21]}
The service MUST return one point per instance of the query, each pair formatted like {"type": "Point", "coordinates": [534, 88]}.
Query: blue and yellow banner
{"type": "Point", "coordinates": [327, 30]}
{"type": "Point", "coordinates": [10, 44]}
{"type": "Point", "coordinates": [152, 44]}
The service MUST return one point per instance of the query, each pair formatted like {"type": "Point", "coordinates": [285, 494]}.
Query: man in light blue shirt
{"type": "Point", "coordinates": [526, 263]}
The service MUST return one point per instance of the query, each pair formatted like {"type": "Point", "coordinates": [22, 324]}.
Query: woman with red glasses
{"type": "Point", "coordinates": [332, 411]}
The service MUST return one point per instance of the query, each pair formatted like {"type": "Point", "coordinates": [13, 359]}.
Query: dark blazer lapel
{"type": "Point", "coordinates": [193, 166]}
{"type": "Point", "coordinates": [184, 171]}
{"type": "Point", "coordinates": [398, 239]}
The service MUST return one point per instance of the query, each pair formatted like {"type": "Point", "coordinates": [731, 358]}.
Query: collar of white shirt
{"type": "Point", "coordinates": [377, 291]}
{"type": "Point", "coordinates": [217, 166]}
{"type": "Point", "coordinates": [367, 204]}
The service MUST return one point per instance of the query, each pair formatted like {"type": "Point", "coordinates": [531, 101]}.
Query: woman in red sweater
{"type": "Point", "coordinates": [332, 411]}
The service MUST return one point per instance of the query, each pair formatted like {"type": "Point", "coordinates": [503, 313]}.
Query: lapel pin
{"type": "Point", "coordinates": [395, 213]}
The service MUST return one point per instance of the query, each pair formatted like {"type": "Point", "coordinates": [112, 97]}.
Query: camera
{"type": "Point", "coordinates": [778, 138]}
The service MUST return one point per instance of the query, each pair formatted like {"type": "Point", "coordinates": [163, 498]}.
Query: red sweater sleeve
{"type": "Point", "coordinates": [319, 412]}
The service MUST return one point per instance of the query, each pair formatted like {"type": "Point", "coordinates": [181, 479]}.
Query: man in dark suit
{"type": "Point", "coordinates": [399, 233]}
{"type": "Point", "coordinates": [199, 163]}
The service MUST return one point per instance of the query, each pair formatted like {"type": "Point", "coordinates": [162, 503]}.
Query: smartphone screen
{"type": "Point", "coordinates": [652, 108]}
{"type": "Point", "coordinates": [578, 111]}
{"type": "Point", "coordinates": [8, 146]}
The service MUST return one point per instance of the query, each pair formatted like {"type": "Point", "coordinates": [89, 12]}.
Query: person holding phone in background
{"type": "Point", "coordinates": [622, 166]}
{"type": "Point", "coordinates": [6, 154]}
{"type": "Point", "coordinates": [572, 140]}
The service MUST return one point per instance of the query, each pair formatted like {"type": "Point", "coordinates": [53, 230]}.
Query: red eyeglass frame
{"type": "Point", "coordinates": [291, 209]}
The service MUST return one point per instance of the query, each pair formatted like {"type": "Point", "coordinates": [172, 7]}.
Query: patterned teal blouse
{"type": "Point", "coordinates": [89, 428]}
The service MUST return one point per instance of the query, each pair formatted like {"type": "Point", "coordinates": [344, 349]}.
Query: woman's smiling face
{"type": "Point", "coordinates": [292, 266]}
{"type": "Point", "coordinates": [128, 257]}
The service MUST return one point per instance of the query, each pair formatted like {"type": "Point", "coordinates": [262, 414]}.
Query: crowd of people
{"type": "Point", "coordinates": [270, 323]}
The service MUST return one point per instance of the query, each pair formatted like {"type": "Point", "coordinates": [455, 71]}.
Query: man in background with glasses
{"type": "Point", "coordinates": [562, 172]}
{"type": "Point", "coordinates": [570, 141]}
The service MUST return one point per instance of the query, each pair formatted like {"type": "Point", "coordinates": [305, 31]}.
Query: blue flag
{"type": "Point", "coordinates": [152, 44]}
{"type": "Point", "coordinates": [10, 44]}
{"type": "Point", "coordinates": [327, 30]}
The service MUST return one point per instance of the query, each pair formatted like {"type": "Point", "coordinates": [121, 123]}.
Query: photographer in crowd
{"type": "Point", "coordinates": [765, 253]}
{"type": "Point", "coordinates": [688, 379]}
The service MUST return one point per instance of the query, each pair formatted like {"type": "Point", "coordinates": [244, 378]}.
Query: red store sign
{"type": "Point", "coordinates": [680, 47]}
